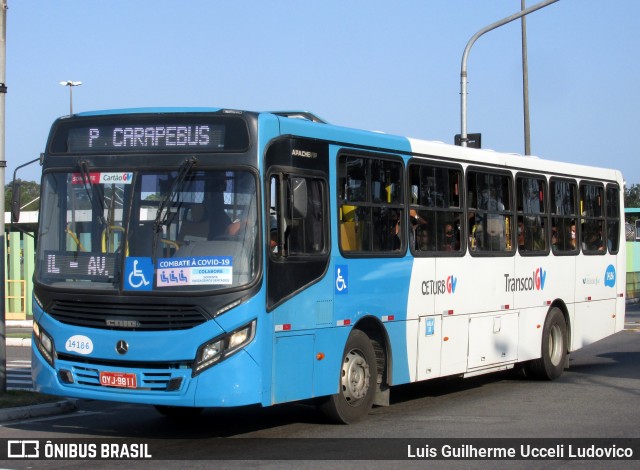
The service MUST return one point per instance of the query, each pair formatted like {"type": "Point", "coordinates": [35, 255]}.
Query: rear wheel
{"type": "Point", "coordinates": [554, 347]}
{"type": "Point", "coordinates": [358, 376]}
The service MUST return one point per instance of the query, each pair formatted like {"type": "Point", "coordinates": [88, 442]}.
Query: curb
{"type": "Point", "coordinates": [26, 342]}
{"type": "Point", "coordinates": [38, 411]}
{"type": "Point", "coordinates": [19, 323]}
{"type": "Point", "coordinates": [18, 342]}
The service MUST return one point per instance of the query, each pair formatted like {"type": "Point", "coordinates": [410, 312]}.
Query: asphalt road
{"type": "Point", "coordinates": [597, 397]}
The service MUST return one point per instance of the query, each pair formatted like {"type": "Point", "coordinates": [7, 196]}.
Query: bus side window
{"type": "Point", "coordinates": [592, 234]}
{"type": "Point", "coordinates": [371, 209]}
{"type": "Point", "coordinates": [297, 216]}
{"type": "Point", "coordinates": [435, 211]}
{"type": "Point", "coordinates": [532, 214]}
{"type": "Point", "coordinates": [563, 196]}
{"type": "Point", "coordinates": [613, 218]}
{"type": "Point", "coordinates": [490, 214]}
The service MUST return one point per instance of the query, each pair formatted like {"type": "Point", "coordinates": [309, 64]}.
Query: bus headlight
{"type": "Point", "coordinates": [220, 348]}
{"type": "Point", "coordinates": [37, 300]}
{"type": "Point", "coordinates": [44, 343]}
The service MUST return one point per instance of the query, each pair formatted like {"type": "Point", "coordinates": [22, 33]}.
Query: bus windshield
{"type": "Point", "coordinates": [172, 230]}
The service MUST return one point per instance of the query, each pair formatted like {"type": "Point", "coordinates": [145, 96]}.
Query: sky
{"type": "Point", "coordinates": [390, 66]}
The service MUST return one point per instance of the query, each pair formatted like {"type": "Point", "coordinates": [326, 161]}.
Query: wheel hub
{"type": "Point", "coordinates": [355, 377]}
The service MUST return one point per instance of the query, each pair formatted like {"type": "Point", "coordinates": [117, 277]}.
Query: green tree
{"type": "Point", "coordinates": [632, 199]}
{"type": "Point", "coordinates": [29, 195]}
{"type": "Point", "coordinates": [632, 196]}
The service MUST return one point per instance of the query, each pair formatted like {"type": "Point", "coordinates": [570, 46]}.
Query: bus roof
{"type": "Point", "coordinates": [109, 112]}
{"type": "Point", "coordinates": [311, 125]}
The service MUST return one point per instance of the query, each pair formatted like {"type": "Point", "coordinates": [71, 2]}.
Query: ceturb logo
{"type": "Point", "coordinates": [438, 287]}
{"type": "Point", "coordinates": [521, 284]}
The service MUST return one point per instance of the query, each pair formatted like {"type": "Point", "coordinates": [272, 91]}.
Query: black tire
{"type": "Point", "coordinates": [357, 382]}
{"type": "Point", "coordinates": [178, 412]}
{"type": "Point", "coordinates": [554, 348]}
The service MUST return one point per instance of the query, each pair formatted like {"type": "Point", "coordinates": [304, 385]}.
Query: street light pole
{"type": "Point", "coordinates": [3, 164]}
{"type": "Point", "coordinates": [525, 84]}
{"type": "Point", "coordinates": [465, 56]}
{"type": "Point", "coordinates": [70, 84]}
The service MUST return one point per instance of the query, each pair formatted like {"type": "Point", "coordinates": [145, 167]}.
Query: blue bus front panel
{"type": "Point", "coordinates": [157, 370]}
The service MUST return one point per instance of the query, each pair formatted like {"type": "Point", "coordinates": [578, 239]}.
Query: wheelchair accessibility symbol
{"type": "Point", "coordinates": [342, 279]}
{"type": "Point", "coordinates": [138, 274]}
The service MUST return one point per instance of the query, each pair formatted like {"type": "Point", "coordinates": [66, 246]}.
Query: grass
{"type": "Point", "coordinates": [16, 398]}
{"type": "Point", "coordinates": [18, 335]}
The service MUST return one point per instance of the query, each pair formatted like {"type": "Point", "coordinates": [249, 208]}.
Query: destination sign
{"type": "Point", "coordinates": [151, 137]}
{"type": "Point", "coordinates": [80, 265]}
{"type": "Point", "coordinates": [142, 133]}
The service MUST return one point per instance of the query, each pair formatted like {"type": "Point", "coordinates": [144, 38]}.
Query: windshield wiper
{"type": "Point", "coordinates": [164, 208]}
{"type": "Point", "coordinates": [86, 179]}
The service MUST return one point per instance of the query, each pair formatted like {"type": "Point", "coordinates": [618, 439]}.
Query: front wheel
{"type": "Point", "coordinates": [357, 382]}
{"type": "Point", "coordinates": [554, 348]}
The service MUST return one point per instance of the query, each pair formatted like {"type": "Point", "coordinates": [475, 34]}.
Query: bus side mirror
{"type": "Point", "coordinates": [15, 202]}
{"type": "Point", "coordinates": [15, 185]}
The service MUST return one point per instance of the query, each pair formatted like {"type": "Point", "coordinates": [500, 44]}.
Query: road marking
{"type": "Point", "coordinates": [19, 375]}
{"type": "Point", "coordinates": [51, 418]}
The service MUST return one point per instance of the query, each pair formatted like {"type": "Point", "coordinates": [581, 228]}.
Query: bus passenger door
{"type": "Point", "coordinates": [299, 294]}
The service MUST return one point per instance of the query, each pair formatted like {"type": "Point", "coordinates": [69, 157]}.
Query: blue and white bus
{"type": "Point", "coordinates": [192, 258]}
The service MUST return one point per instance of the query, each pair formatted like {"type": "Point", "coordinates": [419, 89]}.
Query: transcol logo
{"type": "Point", "coordinates": [439, 287]}
{"type": "Point", "coordinates": [520, 284]}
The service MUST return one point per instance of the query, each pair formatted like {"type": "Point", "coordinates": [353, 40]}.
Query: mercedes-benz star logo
{"type": "Point", "coordinates": [122, 347]}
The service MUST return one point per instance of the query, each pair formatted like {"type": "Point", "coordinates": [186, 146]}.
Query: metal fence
{"type": "Point", "coordinates": [19, 265]}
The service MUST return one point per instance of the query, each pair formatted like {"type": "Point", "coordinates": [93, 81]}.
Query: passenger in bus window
{"type": "Point", "coordinates": [521, 244]}
{"type": "Point", "coordinates": [554, 238]}
{"type": "Point", "coordinates": [572, 237]}
{"type": "Point", "coordinates": [593, 240]}
{"type": "Point", "coordinates": [496, 226]}
{"type": "Point", "coordinates": [598, 242]}
{"type": "Point", "coordinates": [537, 237]}
{"type": "Point", "coordinates": [473, 231]}
{"type": "Point", "coordinates": [451, 242]}
{"type": "Point", "coordinates": [416, 220]}
{"type": "Point", "coordinates": [396, 233]}
{"type": "Point", "coordinates": [422, 239]}
{"type": "Point", "coordinates": [219, 222]}
{"type": "Point", "coordinates": [194, 227]}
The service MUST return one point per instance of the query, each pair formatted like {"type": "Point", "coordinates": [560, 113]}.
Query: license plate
{"type": "Point", "coordinates": [118, 379]}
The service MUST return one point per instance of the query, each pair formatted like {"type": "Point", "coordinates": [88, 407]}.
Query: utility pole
{"type": "Point", "coordinates": [3, 165]}
{"type": "Point", "coordinates": [463, 69]}
{"type": "Point", "coordinates": [525, 84]}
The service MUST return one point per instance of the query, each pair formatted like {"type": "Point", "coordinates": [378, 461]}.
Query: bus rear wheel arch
{"type": "Point", "coordinates": [553, 348]}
